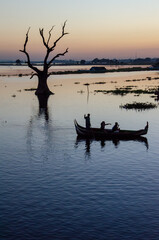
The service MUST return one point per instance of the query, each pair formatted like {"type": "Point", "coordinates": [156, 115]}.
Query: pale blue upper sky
{"type": "Point", "coordinates": [103, 28]}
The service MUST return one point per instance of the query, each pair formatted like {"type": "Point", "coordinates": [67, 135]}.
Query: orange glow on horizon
{"type": "Point", "coordinates": [109, 29]}
{"type": "Point", "coordinates": [86, 43]}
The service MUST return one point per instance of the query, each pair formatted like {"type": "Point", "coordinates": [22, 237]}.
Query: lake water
{"type": "Point", "coordinates": [54, 186]}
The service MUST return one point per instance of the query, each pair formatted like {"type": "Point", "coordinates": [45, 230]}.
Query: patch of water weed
{"type": "Point", "coordinates": [143, 79]}
{"type": "Point", "coordinates": [30, 89]}
{"type": "Point", "coordinates": [58, 85]}
{"type": "Point", "coordinates": [99, 83]}
{"type": "Point", "coordinates": [86, 84]}
{"type": "Point", "coordinates": [113, 82]}
{"type": "Point", "coordinates": [138, 106]}
{"type": "Point", "coordinates": [81, 91]}
{"type": "Point", "coordinates": [126, 90]}
{"type": "Point", "coordinates": [135, 80]}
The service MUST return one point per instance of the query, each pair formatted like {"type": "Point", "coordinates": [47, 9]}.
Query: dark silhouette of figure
{"type": "Point", "coordinates": [87, 119]}
{"type": "Point", "coordinates": [103, 124]}
{"type": "Point", "coordinates": [115, 127]}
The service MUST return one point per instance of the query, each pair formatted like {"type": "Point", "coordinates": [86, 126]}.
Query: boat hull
{"type": "Point", "coordinates": [108, 133]}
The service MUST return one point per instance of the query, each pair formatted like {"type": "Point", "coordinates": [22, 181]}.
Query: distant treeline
{"type": "Point", "coordinates": [96, 61]}
{"type": "Point", "coordinates": [137, 61]}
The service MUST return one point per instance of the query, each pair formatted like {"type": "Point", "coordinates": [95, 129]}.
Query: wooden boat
{"type": "Point", "coordinates": [108, 133]}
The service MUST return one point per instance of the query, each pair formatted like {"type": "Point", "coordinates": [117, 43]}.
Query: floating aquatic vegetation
{"type": "Point", "coordinates": [86, 84]}
{"type": "Point", "coordinates": [136, 80]}
{"type": "Point", "coordinates": [117, 91]}
{"type": "Point", "coordinates": [126, 90]}
{"type": "Point", "coordinates": [81, 91]}
{"type": "Point", "coordinates": [58, 85]}
{"type": "Point", "coordinates": [113, 82]}
{"type": "Point", "coordinates": [138, 106]}
{"type": "Point", "coordinates": [30, 89]}
{"type": "Point", "coordinates": [99, 83]}
{"type": "Point", "coordinates": [143, 79]}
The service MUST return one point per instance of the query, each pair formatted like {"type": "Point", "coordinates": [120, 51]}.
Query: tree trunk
{"type": "Point", "coordinates": [42, 85]}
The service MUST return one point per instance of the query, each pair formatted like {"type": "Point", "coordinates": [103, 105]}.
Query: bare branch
{"type": "Point", "coordinates": [26, 53]}
{"type": "Point", "coordinates": [46, 44]}
{"type": "Point", "coordinates": [49, 35]}
{"type": "Point", "coordinates": [63, 28]}
{"type": "Point", "coordinates": [58, 55]}
{"type": "Point", "coordinates": [35, 74]}
{"type": "Point", "coordinates": [26, 41]}
{"type": "Point", "coordinates": [43, 38]}
{"type": "Point", "coordinates": [49, 74]}
{"type": "Point", "coordinates": [63, 34]}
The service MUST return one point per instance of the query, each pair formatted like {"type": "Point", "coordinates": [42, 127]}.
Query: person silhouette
{"type": "Point", "coordinates": [115, 127]}
{"type": "Point", "coordinates": [87, 119]}
{"type": "Point", "coordinates": [103, 124]}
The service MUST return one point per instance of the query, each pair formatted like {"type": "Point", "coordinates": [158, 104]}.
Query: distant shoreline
{"type": "Point", "coordinates": [107, 71]}
{"type": "Point", "coordinates": [72, 64]}
{"type": "Point", "coordinates": [28, 72]}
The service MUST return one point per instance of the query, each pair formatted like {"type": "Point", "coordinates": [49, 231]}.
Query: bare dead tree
{"type": "Point", "coordinates": [44, 73]}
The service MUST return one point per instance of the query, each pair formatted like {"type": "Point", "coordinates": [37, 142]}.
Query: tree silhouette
{"type": "Point", "coordinates": [43, 74]}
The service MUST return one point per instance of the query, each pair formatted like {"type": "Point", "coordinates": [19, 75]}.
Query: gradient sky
{"type": "Point", "coordinates": [103, 28]}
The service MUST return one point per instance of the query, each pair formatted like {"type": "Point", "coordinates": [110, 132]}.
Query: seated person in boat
{"type": "Point", "coordinates": [87, 119]}
{"type": "Point", "coordinates": [103, 124]}
{"type": "Point", "coordinates": [115, 127]}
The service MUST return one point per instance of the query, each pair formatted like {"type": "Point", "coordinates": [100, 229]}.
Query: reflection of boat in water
{"type": "Point", "coordinates": [98, 133]}
{"type": "Point", "coordinates": [115, 141]}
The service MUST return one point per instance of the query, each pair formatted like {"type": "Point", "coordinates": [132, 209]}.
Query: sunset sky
{"type": "Point", "coordinates": [103, 28]}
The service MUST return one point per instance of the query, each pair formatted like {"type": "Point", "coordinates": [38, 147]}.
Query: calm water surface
{"type": "Point", "coordinates": [54, 186]}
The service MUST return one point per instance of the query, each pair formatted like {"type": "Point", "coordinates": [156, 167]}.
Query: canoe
{"type": "Point", "coordinates": [108, 133]}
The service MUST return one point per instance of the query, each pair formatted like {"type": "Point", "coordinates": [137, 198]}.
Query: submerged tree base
{"type": "Point", "coordinates": [139, 106]}
{"type": "Point", "coordinates": [43, 92]}
{"type": "Point", "coordinates": [40, 92]}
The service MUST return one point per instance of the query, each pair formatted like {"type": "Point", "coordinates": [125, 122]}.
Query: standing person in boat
{"type": "Point", "coordinates": [103, 124]}
{"type": "Point", "coordinates": [115, 127]}
{"type": "Point", "coordinates": [87, 119]}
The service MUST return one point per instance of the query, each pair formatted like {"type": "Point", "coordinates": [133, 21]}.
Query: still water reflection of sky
{"type": "Point", "coordinates": [55, 186]}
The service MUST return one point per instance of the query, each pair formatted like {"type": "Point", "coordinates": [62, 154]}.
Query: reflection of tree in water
{"type": "Point", "coordinates": [39, 131]}
{"type": "Point", "coordinates": [43, 105]}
